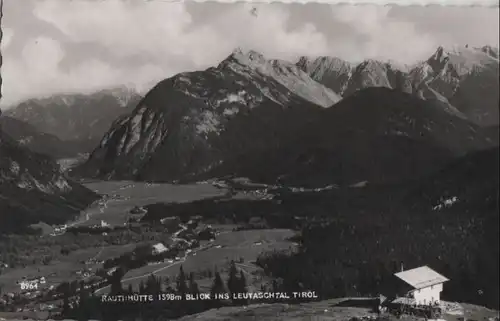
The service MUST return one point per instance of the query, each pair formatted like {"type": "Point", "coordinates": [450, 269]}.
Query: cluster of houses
{"type": "Point", "coordinates": [85, 273]}
{"type": "Point", "coordinates": [59, 229]}
{"type": "Point", "coordinates": [32, 281]}
{"type": "Point", "coordinates": [102, 225]}
{"type": "Point", "coordinates": [93, 261]}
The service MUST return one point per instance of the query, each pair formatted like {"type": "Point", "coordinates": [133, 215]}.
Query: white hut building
{"type": "Point", "coordinates": [421, 286]}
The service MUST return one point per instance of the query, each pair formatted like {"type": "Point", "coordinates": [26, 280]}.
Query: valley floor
{"type": "Point", "coordinates": [90, 251]}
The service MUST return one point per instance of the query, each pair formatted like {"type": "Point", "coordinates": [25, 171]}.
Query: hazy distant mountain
{"type": "Point", "coordinates": [28, 136]}
{"type": "Point", "coordinates": [376, 135]}
{"type": "Point", "coordinates": [82, 119]}
{"type": "Point", "coordinates": [178, 129]}
{"type": "Point", "coordinates": [33, 189]}
{"type": "Point", "coordinates": [492, 51]}
{"type": "Point", "coordinates": [463, 80]}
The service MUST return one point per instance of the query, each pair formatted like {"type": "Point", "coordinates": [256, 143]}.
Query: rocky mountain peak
{"type": "Point", "coordinates": [255, 65]}
{"type": "Point", "coordinates": [462, 60]}
{"type": "Point", "coordinates": [332, 72]}
{"type": "Point", "coordinates": [250, 58]}
{"type": "Point", "coordinates": [323, 62]}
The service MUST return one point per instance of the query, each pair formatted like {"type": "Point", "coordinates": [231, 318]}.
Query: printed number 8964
{"type": "Point", "coordinates": [29, 286]}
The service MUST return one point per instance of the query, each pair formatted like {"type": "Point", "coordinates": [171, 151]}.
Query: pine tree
{"type": "Point", "coordinates": [166, 283]}
{"type": "Point", "coordinates": [83, 311]}
{"type": "Point", "coordinates": [242, 286]}
{"type": "Point", "coordinates": [217, 287]}
{"type": "Point", "coordinates": [193, 286]}
{"type": "Point", "coordinates": [275, 286]}
{"type": "Point", "coordinates": [232, 281]}
{"type": "Point", "coordinates": [150, 284]}
{"type": "Point", "coordinates": [116, 282]}
{"type": "Point", "coordinates": [181, 283]}
{"type": "Point", "coordinates": [66, 310]}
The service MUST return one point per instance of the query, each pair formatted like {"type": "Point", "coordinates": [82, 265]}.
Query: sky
{"type": "Point", "coordinates": [60, 46]}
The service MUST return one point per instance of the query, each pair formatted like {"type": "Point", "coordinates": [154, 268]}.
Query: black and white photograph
{"type": "Point", "coordinates": [180, 160]}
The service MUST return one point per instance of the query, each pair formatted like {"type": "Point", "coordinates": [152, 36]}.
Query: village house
{"type": "Point", "coordinates": [33, 281]}
{"type": "Point", "coordinates": [158, 249]}
{"type": "Point", "coordinates": [419, 286]}
{"type": "Point", "coordinates": [112, 270]}
{"type": "Point", "coordinates": [171, 221]}
{"type": "Point", "coordinates": [60, 228]}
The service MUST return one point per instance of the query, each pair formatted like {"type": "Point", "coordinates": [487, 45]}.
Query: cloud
{"type": "Point", "coordinates": [96, 44]}
{"type": "Point", "coordinates": [36, 73]}
{"type": "Point", "coordinates": [162, 33]}
{"type": "Point", "coordinates": [163, 29]}
{"type": "Point", "coordinates": [267, 32]}
{"type": "Point", "coordinates": [382, 36]}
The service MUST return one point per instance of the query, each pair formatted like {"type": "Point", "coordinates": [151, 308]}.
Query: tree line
{"type": "Point", "coordinates": [83, 304]}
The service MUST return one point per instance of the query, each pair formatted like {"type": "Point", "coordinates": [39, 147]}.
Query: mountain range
{"type": "Point", "coordinates": [313, 123]}
{"type": "Point", "coordinates": [462, 79]}
{"type": "Point", "coordinates": [275, 120]}
{"type": "Point", "coordinates": [378, 135]}
{"type": "Point", "coordinates": [179, 122]}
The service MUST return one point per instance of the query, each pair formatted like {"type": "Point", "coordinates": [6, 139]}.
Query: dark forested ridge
{"type": "Point", "coordinates": [377, 135]}
{"type": "Point", "coordinates": [33, 189]}
{"type": "Point", "coordinates": [367, 245]}
{"type": "Point", "coordinates": [28, 136]}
